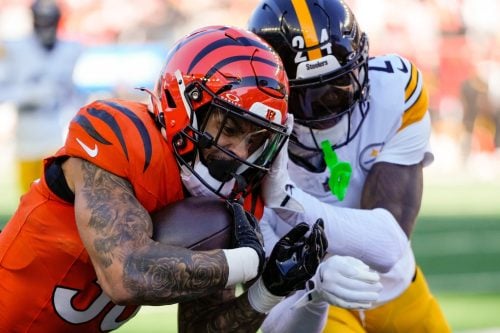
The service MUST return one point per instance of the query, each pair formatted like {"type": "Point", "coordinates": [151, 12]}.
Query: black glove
{"type": "Point", "coordinates": [247, 232]}
{"type": "Point", "coordinates": [294, 259]}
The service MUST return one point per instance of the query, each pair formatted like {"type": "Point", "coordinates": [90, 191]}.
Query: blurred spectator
{"type": "Point", "coordinates": [476, 110]}
{"type": "Point", "coordinates": [37, 78]}
{"type": "Point", "coordinates": [483, 41]}
{"type": "Point", "coordinates": [443, 37]}
{"type": "Point", "coordinates": [494, 93]}
{"type": "Point", "coordinates": [119, 21]}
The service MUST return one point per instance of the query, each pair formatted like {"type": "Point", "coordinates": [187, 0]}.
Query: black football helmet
{"type": "Point", "coordinates": [325, 55]}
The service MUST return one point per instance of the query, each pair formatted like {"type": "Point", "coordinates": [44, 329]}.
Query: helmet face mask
{"type": "Point", "coordinates": [221, 101]}
{"type": "Point", "coordinates": [320, 104]}
{"type": "Point", "coordinates": [230, 140]}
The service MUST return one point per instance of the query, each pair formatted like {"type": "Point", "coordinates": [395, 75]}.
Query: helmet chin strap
{"type": "Point", "coordinates": [311, 138]}
{"type": "Point", "coordinates": [306, 150]}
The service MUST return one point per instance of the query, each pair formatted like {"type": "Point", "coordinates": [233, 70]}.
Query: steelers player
{"type": "Point", "coordinates": [359, 144]}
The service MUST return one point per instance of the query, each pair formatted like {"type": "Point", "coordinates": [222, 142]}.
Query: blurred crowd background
{"type": "Point", "coordinates": [456, 43]}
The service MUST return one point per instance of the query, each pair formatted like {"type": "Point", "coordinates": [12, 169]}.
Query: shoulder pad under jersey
{"type": "Point", "coordinates": [401, 76]}
{"type": "Point", "coordinates": [115, 135]}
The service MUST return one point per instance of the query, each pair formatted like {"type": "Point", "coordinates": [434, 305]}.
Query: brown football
{"type": "Point", "coordinates": [197, 223]}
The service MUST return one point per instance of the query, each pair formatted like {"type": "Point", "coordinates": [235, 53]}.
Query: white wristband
{"type": "Point", "coordinates": [260, 298]}
{"type": "Point", "coordinates": [243, 263]}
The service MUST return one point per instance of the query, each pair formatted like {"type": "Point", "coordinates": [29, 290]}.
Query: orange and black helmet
{"type": "Point", "coordinates": [234, 72]}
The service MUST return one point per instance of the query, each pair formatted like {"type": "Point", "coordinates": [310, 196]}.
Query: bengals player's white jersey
{"type": "Point", "coordinates": [396, 130]}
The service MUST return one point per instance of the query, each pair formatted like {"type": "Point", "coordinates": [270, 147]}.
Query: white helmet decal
{"type": "Point", "coordinates": [314, 68]}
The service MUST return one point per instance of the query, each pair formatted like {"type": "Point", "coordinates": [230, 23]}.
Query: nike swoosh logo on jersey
{"type": "Point", "coordinates": [92, 152]}
{"type": "Point", "coordinates": [403, 69]}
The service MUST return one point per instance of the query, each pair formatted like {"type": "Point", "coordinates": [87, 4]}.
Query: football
{"type": "Point", "coordinates": [196, 223]}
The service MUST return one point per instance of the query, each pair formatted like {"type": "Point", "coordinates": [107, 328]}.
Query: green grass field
{"type": "Point", "coordinates": [456, 242]}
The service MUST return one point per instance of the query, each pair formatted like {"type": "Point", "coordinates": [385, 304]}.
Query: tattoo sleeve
{"type": "Point", "coordinates": [220, 312]}
{"type": "Point", "coordinates": [397, 188]}
{"type": "Point", "coordinates": [117, 232]}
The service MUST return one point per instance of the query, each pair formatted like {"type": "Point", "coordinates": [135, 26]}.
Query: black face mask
{"type": "Point", "coordinates": [311, 160]}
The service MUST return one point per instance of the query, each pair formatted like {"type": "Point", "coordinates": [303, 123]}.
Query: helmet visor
{"type": "Point", "coordinates": [239, 138]}
{"type": "Point", "coordinates": [322, 104]}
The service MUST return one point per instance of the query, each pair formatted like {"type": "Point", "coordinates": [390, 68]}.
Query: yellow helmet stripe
{"type": "Point", "coordinates": [307, 27]}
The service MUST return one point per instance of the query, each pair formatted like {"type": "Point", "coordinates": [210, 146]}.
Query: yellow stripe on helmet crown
{"type": "Point", "coordinates": [307, 26]}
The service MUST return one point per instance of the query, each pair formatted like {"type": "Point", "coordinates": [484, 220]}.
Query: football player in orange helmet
{"type": "Point", "coordinates": [360, 119]}
{"type": "Point", "coordinates": [78, 255]}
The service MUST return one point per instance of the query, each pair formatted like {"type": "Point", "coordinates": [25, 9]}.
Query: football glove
{"type": "Point", "coordinates": [343, 281]}
{"type": "Point", "coordinates": [276, 185]}
{"type": "Point", "coordinates": [294, 259]}
{"type": "Point", "coordinates": [247, 232]}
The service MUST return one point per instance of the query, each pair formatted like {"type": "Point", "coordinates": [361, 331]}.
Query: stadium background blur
{"type": "Point", "coordinates": [456, 43]}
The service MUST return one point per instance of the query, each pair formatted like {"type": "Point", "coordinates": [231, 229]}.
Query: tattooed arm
{"type": "Point", "coordinates": [116, 231]}
{"type": "Point", "coordinates": [293, 260]}
{"type": "Point", "coordinates": [231, 314]}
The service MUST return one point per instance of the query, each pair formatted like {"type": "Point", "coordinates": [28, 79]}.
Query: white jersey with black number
{"type": "Point", "coordinates": [396, 130]}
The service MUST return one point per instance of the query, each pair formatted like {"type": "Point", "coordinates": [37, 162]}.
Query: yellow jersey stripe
{"type": "Point", "coordinates": [412, 83]}
{"type": "Point", "coordinates": [307, 26]}
{"type": "Point", "coordinates": [417, 110]}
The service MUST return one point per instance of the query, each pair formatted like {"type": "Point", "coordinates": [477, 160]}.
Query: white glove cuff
{"type": "Point", "coordinates": [260, 298]}
{"type": "Point", "coordinates": [243, 264]}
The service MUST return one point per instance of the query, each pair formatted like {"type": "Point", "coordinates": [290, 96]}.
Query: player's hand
{"type": "Point", "coordinates": [345, 282]}
{"type": "Point", "coordinates": [247, 232]}
{"type": "Point", "coordinates": [294, 259]}
{"type": "Point", "coordinates": [276, 185]}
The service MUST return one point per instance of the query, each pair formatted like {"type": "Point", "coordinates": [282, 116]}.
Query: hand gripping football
{"type": "Point", "coordinates": [196, 223]}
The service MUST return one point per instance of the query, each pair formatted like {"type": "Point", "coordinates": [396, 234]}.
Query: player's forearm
{"type": "Point", "coordinates": [372, 235]}
{"type": "Point", "coordinates": [309, 318]}
{"type": "Point", "coordinates": [162, 274]}
{"type": "Point", "coordinates": [215, 314]}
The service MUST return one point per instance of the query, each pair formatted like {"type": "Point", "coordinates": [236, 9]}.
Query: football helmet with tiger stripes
{"type": "Point", "coordinates": [229, 77]}
{"type": "Point", "coordinates": [325, 54]}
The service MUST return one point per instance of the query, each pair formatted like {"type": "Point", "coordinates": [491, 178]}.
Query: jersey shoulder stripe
{"type": "Point", "coordinates": [397, 82]}
{"type": "Point", "coordinates": [108, 119]}
{"type": "Point", "coordinates": [113, 134]}
{"type": "Point", "coordinates": [416, 98]}
{"type": "Point", "coordinates": [141, 128]}
{"type": "Point", "coordinates": [86, 124]}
